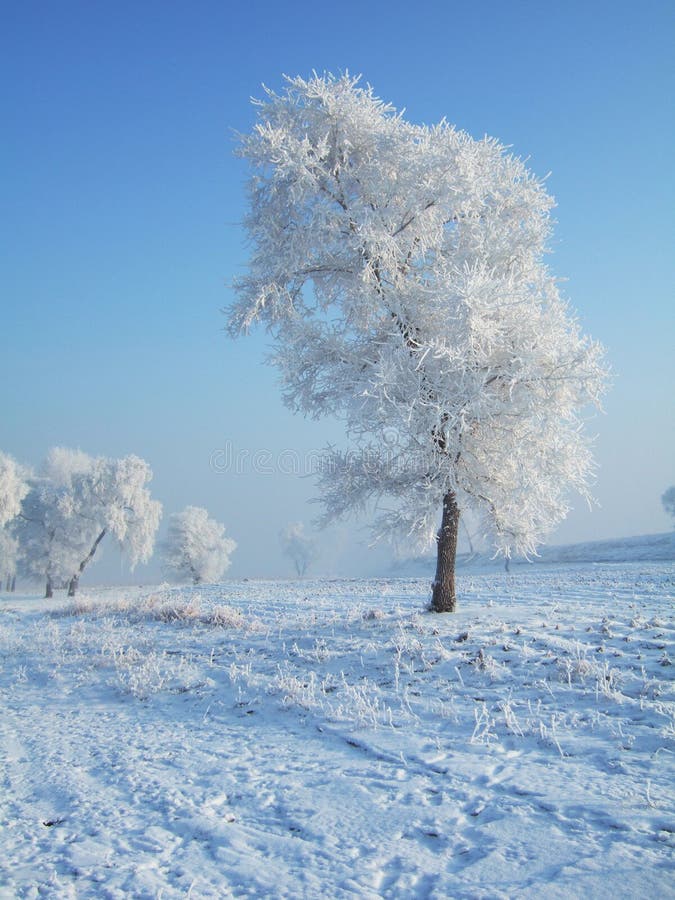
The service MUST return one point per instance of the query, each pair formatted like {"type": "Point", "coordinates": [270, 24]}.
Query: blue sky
{"type": "Point", "coordinates": [122, 203]}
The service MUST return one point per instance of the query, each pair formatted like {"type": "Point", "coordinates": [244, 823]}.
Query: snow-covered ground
{"type": "Point", "coordinates": [331, 739]}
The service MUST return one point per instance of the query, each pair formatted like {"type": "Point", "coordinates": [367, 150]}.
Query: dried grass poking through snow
{"type": "Point", "coordinates": [170, 607]}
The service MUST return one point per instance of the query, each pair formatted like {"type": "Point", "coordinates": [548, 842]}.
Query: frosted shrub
{"type": "Point", "coordinates": [196, 549]}
{"type": "Point", "coordinates": [79, 606]}
{"type": "Point", "coordinates": [337, 699]}
{"type": "Point", "coordinates": [178, 610]}
{"type": "Point", "coordinates": [161, 607]}
{"type": "Point", "coordinates": [295, 691]}
{"type": "Point", "coordinates": [361, 704]}
{"type": "Point", "coordinates": [142, 674]}
{"type": "Point", "coordinates": [667, 710]}
{"type": "Point", "coordinates": [605, 679]}
{"type": "Point", "coordinates": [506, 707]}
{"type": "Point", "coordinates": [608, 682]}
{"type": "Point", "coordinates": [483, 732]}
{"type": "Point", "coordinates": [372, 615]}
{"type": "Point", "coordinates": [576, 669]}
{"type": "Point", "coordinates": [487, 664]}
{"type": "Point", "coordinates": [224, 617]}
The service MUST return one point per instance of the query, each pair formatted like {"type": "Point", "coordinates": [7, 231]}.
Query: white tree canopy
{"type": "Point", "coordinates": [298, 546]}
{"type": "Point", "coordinates": [115, 498]}
{"type": "Point", "coordinates": [13, 488]}
{"type": "Point", "coordinates": [399, 269]}
{"type": "Point", "coordinates": [196, 548]}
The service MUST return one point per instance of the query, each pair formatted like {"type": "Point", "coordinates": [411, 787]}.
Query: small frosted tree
{"type": "Point", "coordinates": [13, 488]}
{"type": "Point", "coordinates": [9, 549]}
{"type": "Point", "coordinates": [399, 269]}
{"type": "Point", "coordinates": [298, 547]}
{"type": "Point", "coordinates": [196, 549]}
{"type": "Point", "coordinates": [75, 502]}
{"type": "Point", "coordinates": [668, 502]}
{"type": "Point", "coordinates": [114, 498]}
{"type": "Point", "coordinates": [46, 546]}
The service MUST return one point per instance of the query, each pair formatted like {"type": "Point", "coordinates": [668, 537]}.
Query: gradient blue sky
{"type": "Point", "coordinates": [122, 204]}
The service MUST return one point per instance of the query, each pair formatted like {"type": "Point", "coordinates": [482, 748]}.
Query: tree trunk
{"type": "Point", "coordinates": [13, 587]}
{"type": "Point", "coordinates": [49, 589]}
{"type": "Point", "coordinates": [443, 597]}
{"type": "Point", "coordinates": [75, 580]}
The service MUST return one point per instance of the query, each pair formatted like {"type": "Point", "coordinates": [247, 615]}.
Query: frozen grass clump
{"type": "Point", "coordinates": [224, 617]}
{"type": "Point", "coordinates": [172, 607]}
{"type": "Point", "coordinates": [332, 698]}
{"type": "Point", "coordinates": [142, 673]}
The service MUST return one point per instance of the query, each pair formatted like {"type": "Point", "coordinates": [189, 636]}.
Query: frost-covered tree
{"type": "Point", "coordinates": [36, 533]}
{"type": "Point", "coordinates": [74, 504]}
{"type": "Point", "coordinates": [196, 548]}
{"type": "Point", "coordinates": [399, 269]}
{"type": "Point", "coordinates": [298, 547]}
{"type": "Point", "coordinates": [9, 550]}
{"type": "Point", "coordinates": [114, 499]}
{"type": "Point", "coordinates": [13, 488]}
{"type": "Point", "coordinates": [46, 548]}
{"type": "Point", "coordinates": [668, 501]}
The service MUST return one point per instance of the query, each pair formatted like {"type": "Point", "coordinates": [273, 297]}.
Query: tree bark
{"type": "Point", "coordinates": [75, 580]}
{"type": "Point", "coordinates": [443, 597]}
{"type": "Point", "coordinates": [49, 589]}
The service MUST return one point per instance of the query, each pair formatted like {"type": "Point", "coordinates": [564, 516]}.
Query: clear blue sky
{"type": "Point", "coordinates": [121, 203]}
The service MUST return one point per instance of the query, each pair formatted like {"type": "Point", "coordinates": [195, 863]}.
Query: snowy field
{"type": "Point", "coordinates": [327, 739]}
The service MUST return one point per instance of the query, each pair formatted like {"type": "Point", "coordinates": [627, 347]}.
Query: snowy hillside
{"type": "Point", "coordinates": [330, 739]}
{"type": "Point", "coordinates": [648, 547]}
{"type": "Point", "coordinates": [643, 548]}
